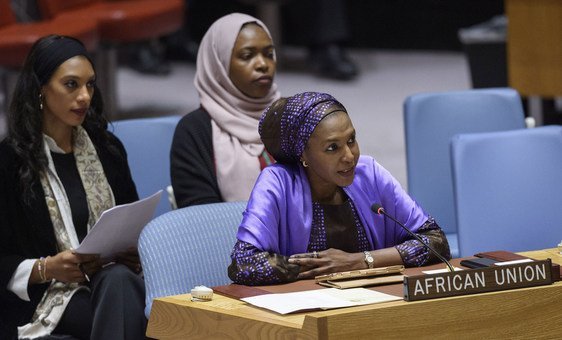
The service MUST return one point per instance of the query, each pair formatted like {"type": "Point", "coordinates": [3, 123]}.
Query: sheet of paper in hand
{"type": "Point", "coordinates": [119, 228]}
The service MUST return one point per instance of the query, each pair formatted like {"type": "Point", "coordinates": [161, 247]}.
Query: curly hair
{"type": "Point", "coordinates": [25, 117]}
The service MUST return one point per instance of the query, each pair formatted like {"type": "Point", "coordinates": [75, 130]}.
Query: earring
{"type": "Point", "coordinates": [40, 101]}
{"type": "Point", "coordinates": [304, 163]}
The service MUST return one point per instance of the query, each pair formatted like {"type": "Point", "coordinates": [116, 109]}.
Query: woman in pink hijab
{"type": "Point", "coordinates": [217, 153]}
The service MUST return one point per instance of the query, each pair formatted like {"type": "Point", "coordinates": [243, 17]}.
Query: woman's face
{"type": "Point", "coordinates": [332, 152]}
{"type": "Point", "coordinates": [67, 95]}
{"type": "Point", "coordinates": [252, 65]}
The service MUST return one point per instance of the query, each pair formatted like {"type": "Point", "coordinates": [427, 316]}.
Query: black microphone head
{"type": "Point", "coordinates": [377, 208]}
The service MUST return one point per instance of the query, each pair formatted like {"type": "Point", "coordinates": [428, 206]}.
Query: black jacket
{"type": "Point", "coordinates": [192, 166]}
{"type": "Point", "coordinates": [26, 230]}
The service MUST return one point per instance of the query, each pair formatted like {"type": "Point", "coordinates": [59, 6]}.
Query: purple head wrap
{"type": "Point", "coordinates": [288, 123]}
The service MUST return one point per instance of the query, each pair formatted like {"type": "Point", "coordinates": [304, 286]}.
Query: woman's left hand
{"type": "Point", "coordinates": [130, 258]}
{"type": "Point", "coordinates": [327, 261]}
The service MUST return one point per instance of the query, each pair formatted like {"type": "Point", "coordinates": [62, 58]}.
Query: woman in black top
{"type": "Point", "coordinates": [59, 170]}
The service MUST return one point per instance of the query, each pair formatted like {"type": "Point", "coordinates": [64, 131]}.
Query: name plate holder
{"type": "Point", "coordinates": [480, 280]}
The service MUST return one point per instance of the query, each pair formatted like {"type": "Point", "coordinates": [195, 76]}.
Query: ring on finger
{"type": "Point", "coordinates": [315, 254]}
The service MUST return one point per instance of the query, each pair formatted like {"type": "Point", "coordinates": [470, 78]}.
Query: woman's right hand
{"type": "Point", "coordinates": [65, 266]}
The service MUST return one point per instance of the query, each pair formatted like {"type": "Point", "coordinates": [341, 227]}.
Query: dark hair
{"type": "Point", "coordinates": [25, 117]}
{"type": "Point", "coordinates": [250, 23]}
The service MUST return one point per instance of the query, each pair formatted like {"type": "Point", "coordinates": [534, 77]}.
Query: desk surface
{"type": "Point", "coordinates": [522, 313]}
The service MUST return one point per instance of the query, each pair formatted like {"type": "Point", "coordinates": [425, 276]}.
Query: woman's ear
{"type": "Point", "coordinates": [303, 161]}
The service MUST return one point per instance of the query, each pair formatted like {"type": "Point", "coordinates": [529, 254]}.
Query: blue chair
{"type": "Point", "coordinates": [430, 120]}
{"type": "Point", "coordinates": [148, 142]}
{"type": "Point", "coordinates": [188, 247]}
{"type": "Point", "coordinates": [508, 189]}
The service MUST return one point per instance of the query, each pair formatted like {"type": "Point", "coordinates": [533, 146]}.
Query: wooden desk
{"type": "Point", "coordinates": [522, 313]}
{"type": "Point", "coordinates": [534, 47]}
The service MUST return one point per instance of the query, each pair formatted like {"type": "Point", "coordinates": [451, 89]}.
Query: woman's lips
{"type": "Point", "coordinates": [264, 80]}
{"type": "Point", "coordinates": [347, 172]}
{"type": "Point", "coordinates": [80, 112]}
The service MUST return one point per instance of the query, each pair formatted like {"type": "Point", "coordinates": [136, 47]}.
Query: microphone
{"type": "Point", "coordinates": [379, 210]}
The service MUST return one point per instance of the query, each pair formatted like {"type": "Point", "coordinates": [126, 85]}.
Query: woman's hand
{"type": "Point", "coordinates": [326, 262]}
{"type": "Point", "coordinates": [130, 258]}
{"type": "Point", "coordinates": [68, 266]}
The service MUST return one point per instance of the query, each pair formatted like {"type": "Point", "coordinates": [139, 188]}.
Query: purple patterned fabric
{"type": "Point", "coordinates": [253, 265]}
{"type": "Point", "coordinates": [278, 217]}
{"type": "Point", "coordinates": [318, 239]}
{"type": "Point", "coordinates": [287, 124]}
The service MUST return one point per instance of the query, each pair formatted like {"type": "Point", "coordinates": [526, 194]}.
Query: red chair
{"type": "Point", "coordinates": [17, 38]}
{"type": "Point", "coordinates": [119, 22]}
{"type": "Point", "coordinates": [122, 21]}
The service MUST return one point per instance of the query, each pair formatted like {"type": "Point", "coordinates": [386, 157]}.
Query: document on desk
{"type": "Point", "coordinates": [285, 303]}
{"type": "Point", "coordinates": [119, 228]}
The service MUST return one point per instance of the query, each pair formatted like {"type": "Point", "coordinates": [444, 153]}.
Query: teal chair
{"type": "Point", "coordinates": [508, 189]}
{"type": "Point", "coordinates": [148, 142]}
{"type": "Point", "coordinates": [188, 247]}
{"type": "Point", "coordinates": [430, 121]}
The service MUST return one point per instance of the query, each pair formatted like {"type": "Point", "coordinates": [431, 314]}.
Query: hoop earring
{"type": "Point", "coordinates": [304, 163]}
{"type": "Point", "coordinates": [40, 101]}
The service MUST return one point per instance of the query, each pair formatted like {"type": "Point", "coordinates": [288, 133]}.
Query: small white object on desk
{"type": "Point", "coordinates": [201, 293]}
{"type": "Point", "coordinates": [560, 248]}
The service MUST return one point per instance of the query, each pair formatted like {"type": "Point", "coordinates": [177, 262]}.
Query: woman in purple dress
{"type": "Point", "coordinates": [310, 214]}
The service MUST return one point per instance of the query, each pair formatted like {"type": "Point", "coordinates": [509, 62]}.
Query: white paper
{"type": "Point", "coordinates": [119, 228]}
{"type": "Point", "coordinates": [506, 263]}
{"type": "Point", "coordinates": [319, 299]}
{"type": "Point", "coordinates": [443, 270]}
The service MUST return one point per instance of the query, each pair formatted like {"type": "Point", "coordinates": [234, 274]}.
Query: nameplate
{"type": "Point", "coordinates": [473, 281]}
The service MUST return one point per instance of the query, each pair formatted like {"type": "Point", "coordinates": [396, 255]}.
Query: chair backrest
{"type": "Point", "coordinates": [51, 8]}
{"type": "Point", "coordinates": [7, 16]}
{"type": "Point", "coordinates": [188, 247]}
{"type": "Point", "coordinates": [430, 120]}
{"type": "Point", "coordinates": [148, 142]}
{"type": "Point", "coordinates": [508, 189]}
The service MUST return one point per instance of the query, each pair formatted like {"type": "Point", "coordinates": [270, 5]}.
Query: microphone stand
{"type": "Point", "coordinates": [379, 210]}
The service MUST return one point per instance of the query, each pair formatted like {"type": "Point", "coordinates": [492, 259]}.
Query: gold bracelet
{"type": "Point", "coordinates": [39, 266]}
{"type": "Point", "coordinates": [40, 269]}
{"type": "Point", "coordinates": [45, 269]}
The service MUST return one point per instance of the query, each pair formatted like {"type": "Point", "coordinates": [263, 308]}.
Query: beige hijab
{"type": "Point", "coordinates": [234, 116]}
